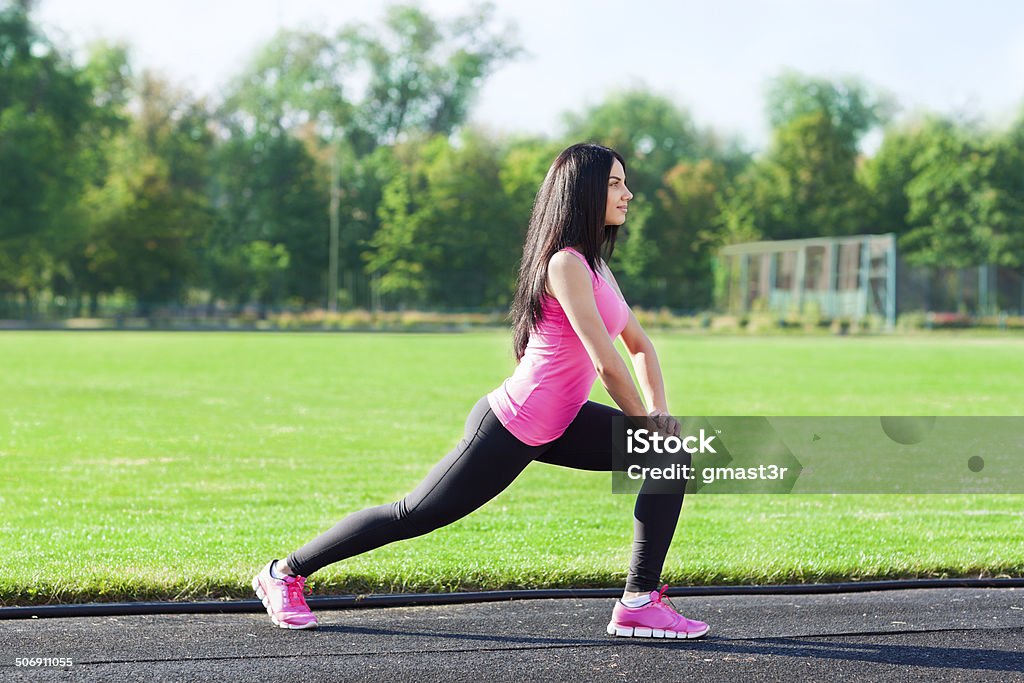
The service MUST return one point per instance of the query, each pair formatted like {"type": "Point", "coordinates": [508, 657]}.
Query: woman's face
{"type": "Point", "coordinates": [618, 195]}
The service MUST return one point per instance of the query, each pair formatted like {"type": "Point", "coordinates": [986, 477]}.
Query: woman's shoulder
{"type": "Point", "coordinates": [571, 252]}
{"type": "Point", "coordinates": [566, 261]}
{"type": "Point", "coordinates": [568, 267]}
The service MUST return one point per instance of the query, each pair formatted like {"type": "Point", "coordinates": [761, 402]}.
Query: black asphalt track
{"type": "Point", "coordinates": [948, 634]}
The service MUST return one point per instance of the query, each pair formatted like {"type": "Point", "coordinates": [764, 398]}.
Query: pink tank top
{"type": "Point", "coordinates": [554, 377]}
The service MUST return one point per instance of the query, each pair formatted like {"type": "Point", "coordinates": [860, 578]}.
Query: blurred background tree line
{"type": "Point", "coordinates": [118, 186]}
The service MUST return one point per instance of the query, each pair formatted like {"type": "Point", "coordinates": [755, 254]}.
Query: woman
{"type": "Point", "coordinates": [567, 310]}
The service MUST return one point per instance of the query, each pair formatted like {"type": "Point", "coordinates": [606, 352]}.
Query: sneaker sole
{"type": "Point", "coordinates": [640, 632]}
{"type": "Point", "coordinates": [262, 595]}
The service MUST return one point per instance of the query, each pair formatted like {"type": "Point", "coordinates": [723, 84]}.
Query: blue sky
{"type": "Point", "coordinates": [712, 58]}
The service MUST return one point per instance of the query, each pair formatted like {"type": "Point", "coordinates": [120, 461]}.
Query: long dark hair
{"type": "Point", "coordinates": [569, 211]}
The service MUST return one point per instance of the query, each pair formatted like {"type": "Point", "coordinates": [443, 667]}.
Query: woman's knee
{"type": "Point", "coordinates": [418, 519]}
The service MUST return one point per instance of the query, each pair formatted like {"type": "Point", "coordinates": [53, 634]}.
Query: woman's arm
{"type": "Point", "coordinates": [645, 363]}
{"type": "Point", "coordinates": [642, 354]}
{"type": "Point", "coordinates": [569, 282]}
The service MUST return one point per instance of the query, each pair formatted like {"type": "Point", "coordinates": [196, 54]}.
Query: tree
{"type": "Point", "coordinates": [478, 235]}
{"type": "Point", "coordinates": [108, 73]}
{"type": "Point", "coordinates": [689, 201]}
{"type": "Point", "coordinates": [368, 87]}
{"type": "Point", "coordinates": [806, 184]}
{"type": "Point", "coordinates": [397, 251]}
{"type": "Point", "coordinates": [297, 79]}
{"type": "Point", "coordinates": [447, 236]}
{"type": "Point", "coordinates": [151, 214]}
{"type": "Point", "coordinates": [850, 107]}
{"type": "Point", "coordinates": [1008, 179]}
{"type": "Point", "coordinates": [523, 165]}
{"type": "Point", "coordinates": [961, 213]}
{"type": "Point", "coordinates": [421, 74]}
{"type": "Point", "coordinates": [267, 189]}
{"type": "Point", "coordinates": [815, 181]}
{"type": "Point", "coordinates": [886, 176]}
{"type": "Point", "coordinates": [252, 272]}
{"type": "Point", "coordinates": [44, 103]}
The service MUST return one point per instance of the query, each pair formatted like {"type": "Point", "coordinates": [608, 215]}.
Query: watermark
{"type": "Point", "coordinates": [884, 454]}
{"type": "Point", "coordinates": [648, 441]}
{"type": "Point", "coordinates": [36, 662]}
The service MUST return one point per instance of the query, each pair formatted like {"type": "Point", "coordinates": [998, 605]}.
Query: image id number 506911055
{"type": "Point", "coordinates": [43, 661]}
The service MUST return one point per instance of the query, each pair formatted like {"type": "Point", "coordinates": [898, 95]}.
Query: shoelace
{"type": "Point", "coordinates": [664, 601]}
{"type": "Point", "coordinates": [294, 591]}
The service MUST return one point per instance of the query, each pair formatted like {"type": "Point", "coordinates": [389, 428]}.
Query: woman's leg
{"type": "Point", "coordinates": [587, 445]}
{"type": "Point", "coordinates": [480, 467]}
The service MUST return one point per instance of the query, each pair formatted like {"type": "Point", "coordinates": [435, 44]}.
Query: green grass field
{"type": "Point", "coordinates": [173, 465]}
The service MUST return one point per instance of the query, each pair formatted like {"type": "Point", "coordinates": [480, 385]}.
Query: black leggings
{"type": "Point", "coordinates": [481, 466]}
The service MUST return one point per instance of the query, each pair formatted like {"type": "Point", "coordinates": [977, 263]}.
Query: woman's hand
{"type": "Point", "coordinates": [665, 423]}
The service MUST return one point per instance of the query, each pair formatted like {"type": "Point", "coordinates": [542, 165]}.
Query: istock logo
{"type": "Point", "coordinates": [644, 441]}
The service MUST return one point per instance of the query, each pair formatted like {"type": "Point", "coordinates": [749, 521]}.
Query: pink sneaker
{"type": "Point", "coordinates": [656, 619]}
{"type": "Point", "coordinates": [284, 600]}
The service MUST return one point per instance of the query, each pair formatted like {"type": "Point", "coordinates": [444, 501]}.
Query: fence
{"type": "Point", "coordinates": [855, 277]}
